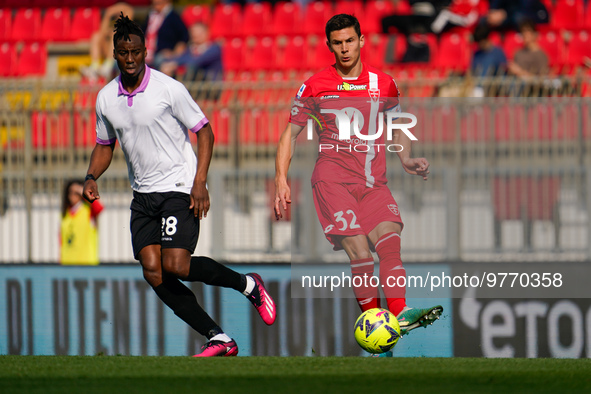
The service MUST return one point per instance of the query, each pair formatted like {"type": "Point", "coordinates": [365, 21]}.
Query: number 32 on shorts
{"type": "Point", "coordinates": [342, 220]}
{"type": "Point", "coordinates": [169, 225]}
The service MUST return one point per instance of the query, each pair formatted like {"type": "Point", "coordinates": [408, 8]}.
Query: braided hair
{"type": "Point", "coordinates": [124, 27]}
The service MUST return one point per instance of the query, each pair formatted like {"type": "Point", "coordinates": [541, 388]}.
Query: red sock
{"type": "Point", "coordinates": [367, 296]}
{"type": "Point", "coordinates": [391, 269]}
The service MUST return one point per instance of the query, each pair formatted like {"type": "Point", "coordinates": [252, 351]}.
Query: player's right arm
{"type": "Point", "coordinates": [102, 154]}
{"type": "Point", "coordinates": [99, 162]}
{"type": "Point", "coordinates": [285, 151]}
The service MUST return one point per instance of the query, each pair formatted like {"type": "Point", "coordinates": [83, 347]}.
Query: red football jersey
{"type": "Point", "coordinates": [362, 99]}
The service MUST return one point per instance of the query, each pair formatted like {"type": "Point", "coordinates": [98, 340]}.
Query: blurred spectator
{"type": "Point", "coordinates": [434, 16]}
{"type": "Point", "coordinates": [530, 60]}
{"type": "Point", "coordinates": [101, 43]}
{"type": "Point", "coordinates": [509, 14]}
{"type": "Point", "coordinates": [166, 33]}
{"type": "Point", "coordinates": [202, 60]}
{"type": "Point", "coordinates": [489, 59]}
{"type": "Point", "coordinates": [78, 232]}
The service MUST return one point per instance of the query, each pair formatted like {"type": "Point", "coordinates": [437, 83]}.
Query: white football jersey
{"type": "Point", "coordinates": [151, 125]}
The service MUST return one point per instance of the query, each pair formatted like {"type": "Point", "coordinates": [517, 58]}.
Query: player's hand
{"type": "Point", "coordinates": [417, 166]}
{"type": "Point", "coordinates": [282, 198]}
{"type": "Point", "coordinates": [199, 200]}
{"type": "Point", "coordinates": [90, 191]}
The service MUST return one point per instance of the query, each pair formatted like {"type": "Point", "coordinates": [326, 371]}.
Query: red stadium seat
{"type": "Point", "coordinates": [578, 48]}
{"type": "Point", "coordinates": [374, 50]}
{"type": "Point", "coordinates": [26, 24]}
{"type": "Point", "coordinates": [263, 55]}
{"type": "Point", "coordinates": [294, 55]}
{"type": "Point", "coordinates": [316, 16]}
{"type": "Point", "coordinates": [257, 19]}
{"type": "Point", "coordinates": [568, 14]}
{"type": "Point", "coordinates": [512, 43]}
{"type": "Point", "coordinates": [7, 59]}
{"type": "Point", "coordinates": [374, 11]}
{"type": "Point", "coordinates": [320, 55]}
{"type": "Point", "coordinates": [56, 25]}
{"type": "Point", "coordinates": [353, 7]}
{"type": "Point", "coordinates": [553, 44]}
{"type": "Point", "coordinates": [84, 129]}
{"type": "Point", "coordinates": [226, 21]}
{"type": "Point", "coordinates": [32, 60]}
{"type": "Point", "coordinates": [196, 13]}
{"type": "Point", "coordinates": [50, 129]}
{"type": "Point", "coordinates": [85, 22]}
{"type": "Point", "coordinates": [5, 23]}
{"type": "Point", "coordinates": [453, 52]}
{"type": "Point", "coordinates": [286, 18]}
{"type": "Point", "coordinates": [233, 54]}
{"type": "Point", "coordinates": [403, 7]}
{"type": "Point", "coordinates": [475, 126]}
{"type": "Point", "coordinates": [587, 21]}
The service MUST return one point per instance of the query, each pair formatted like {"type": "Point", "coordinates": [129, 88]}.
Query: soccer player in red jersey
{"type": "Point", "coordinates": [353, 203]}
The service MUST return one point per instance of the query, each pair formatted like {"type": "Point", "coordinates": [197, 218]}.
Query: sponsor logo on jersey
{"type": "Point", "coordinates": [330, 96]}
{"type": "Point", "coordinates": [301, 91]}
{"type": "Point", "coordinates": [350, 87]}
{"type": "Point", "coordinates": [328, 228]}
{"type": "Point", "coordinates": [394, 209]}
{"type": "Point", "coordinates": [294, 111]}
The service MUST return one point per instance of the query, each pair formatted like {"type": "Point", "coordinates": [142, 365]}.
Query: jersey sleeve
{"type": "Point", "coordinates": [105, 133]}
{"type": "Point", "coordinates": [393, 98]}
{"type": "Point", "coordinates": [185, 109]}
{"type": "Point", "coordinates": [302, 105]}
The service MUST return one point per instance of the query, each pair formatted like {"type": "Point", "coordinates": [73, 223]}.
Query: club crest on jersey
{"type": "Point", "coordinates": [394, 209]}
{"type": "Point", "coordinates": [350, 87]}
{"type": "Point", "coordinates": [374, 94]}
{"type": "Point", "coordinates": [301, 91]}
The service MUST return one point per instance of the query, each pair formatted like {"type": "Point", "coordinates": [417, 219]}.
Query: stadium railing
{"type": "Point", "coordinates": [510, 175]}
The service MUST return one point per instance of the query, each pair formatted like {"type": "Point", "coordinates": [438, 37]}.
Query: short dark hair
{"type": "Point", "coordinates": [340, 22]}
{"type": "Point", "coordinates": [527, 24]}
{"type": "Point", "coordinates": [481, 33]}
{"type": "Point", "coordinates": [124, 27]}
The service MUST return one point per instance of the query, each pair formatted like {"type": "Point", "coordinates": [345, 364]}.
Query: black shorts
{"type": "Point", "coordinates": [163, 219]}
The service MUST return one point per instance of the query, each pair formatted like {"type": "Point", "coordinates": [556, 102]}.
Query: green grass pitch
{"type": "Point", "coordinates": [122, 374]}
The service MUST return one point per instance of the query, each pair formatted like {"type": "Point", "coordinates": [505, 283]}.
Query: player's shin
{"type": "Point", "coordinates": [183, 303]}
{"type": "Point", "coordinates": [367, 295]}
{"type": "Point", "coordinates": [392, 273]}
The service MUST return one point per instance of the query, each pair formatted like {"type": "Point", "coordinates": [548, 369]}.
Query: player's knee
{"type": "Point", "coordinates": [152, 272]}
{"type": "Point", "coordinates": [175, 266]}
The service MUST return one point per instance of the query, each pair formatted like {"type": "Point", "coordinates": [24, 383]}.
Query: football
{"type": "Point", "coordinates": [377, 330]}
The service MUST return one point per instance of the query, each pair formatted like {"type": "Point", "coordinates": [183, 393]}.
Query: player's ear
{"type": "Point", "coordinates": [329, 47]}
{"type": "Point", "coordinates": [361, 41]}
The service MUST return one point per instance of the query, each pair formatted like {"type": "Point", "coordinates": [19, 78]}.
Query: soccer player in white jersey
{"type": "Point", "coordinates": [353, 203]}
{"type": "Point", "coordinates": [150, 114]}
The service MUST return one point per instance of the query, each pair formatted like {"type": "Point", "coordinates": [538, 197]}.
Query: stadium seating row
{"type": "Point", "coordinates": [263, 125]}
{"type": "Point", "coordinates": [56, 24]}
{"type": "Point", "coordinates": [451, 51]}
{"type": "Point", "coordinates": [67, 3]}
{"type": "Point", "coordinates": [75, 20]}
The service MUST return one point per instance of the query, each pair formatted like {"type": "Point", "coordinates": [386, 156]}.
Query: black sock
{"type": "Point", "coordinates": [183, 303]}
{"type": "Point", "coordinates": [206, 270]}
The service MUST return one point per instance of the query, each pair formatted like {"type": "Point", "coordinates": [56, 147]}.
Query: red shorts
{"type": "Point", "coordinates": [346, 209]}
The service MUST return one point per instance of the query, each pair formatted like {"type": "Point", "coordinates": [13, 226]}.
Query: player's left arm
{"type": "Point", "coordinates": [199, 194]}
{"type": "Point", "coordinates": [414, 166]}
